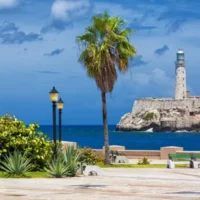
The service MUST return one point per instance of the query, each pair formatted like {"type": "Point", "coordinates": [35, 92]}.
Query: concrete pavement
{"type": "Point", "coordinates": [156, 161]}
{"type": "Point", "coordinates": [115, 184]}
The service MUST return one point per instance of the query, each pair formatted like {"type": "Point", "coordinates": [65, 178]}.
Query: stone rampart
{"type": "Point", "coordinates": [190, 104]}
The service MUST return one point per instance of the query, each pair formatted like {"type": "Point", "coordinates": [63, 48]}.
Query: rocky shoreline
{"type": "Point", "coordinates": [160, 120]}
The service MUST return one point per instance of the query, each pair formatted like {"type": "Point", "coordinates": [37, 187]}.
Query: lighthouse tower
{"type": "Point", "coordinates": [180, 84]}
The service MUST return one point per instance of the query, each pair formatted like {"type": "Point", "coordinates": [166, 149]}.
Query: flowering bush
{"type": "Point", "coordinates": [87, 155]}
{"type": "Point", "coordinates": [15, 135]}
{"type": "Point", "coordinates": [144, 161]}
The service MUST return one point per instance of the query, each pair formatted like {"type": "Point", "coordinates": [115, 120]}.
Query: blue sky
{"type": "Point", "coordinates": [38, 51]}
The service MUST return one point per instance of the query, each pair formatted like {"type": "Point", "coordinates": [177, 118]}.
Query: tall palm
{"type": "Point", "coordinates": [106, 47]}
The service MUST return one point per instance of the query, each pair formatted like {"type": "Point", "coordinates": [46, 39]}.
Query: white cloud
{"type": "Point", "coordinates": [65, 9]}
{"type": "Point", "coordinates": [157, 76]}
{"type": "Point", "coordinates": [154, 83]}
{"type": "Point", "coordinates": [142, 78]}
{"type": "Point", "coordinates": [160, 77]}
{"type": "Point", "coordinates": [8, 3]}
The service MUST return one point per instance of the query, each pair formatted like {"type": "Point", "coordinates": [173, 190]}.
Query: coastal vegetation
{"type": "Point", "coordinates": [39, 174]}
{"type": "Point", "coordinates": [57, 168]}
{"type": "Point", "coordinates": [106, 50]}
{"type": "Point", "coordinates": [143, 161]}
{"type": "Point", "coordinates": [44, 174]}
{"type": "Point", "coordinates": [23, 149]}
{"type": "Point", "coordinates": [66, 164]}
{"type": "Point", "coordinates": [15, 135]}
{"type": "Point", "coordinates": [16, 163]}
{"type": "Point", "coordinates": [71, 158]}
{"type": "Point", "coordinates": [26, 152]}
{"type": "Point", "coordinates": [149, 116]}
{"type": "Point", "coordinates": [89, 156]}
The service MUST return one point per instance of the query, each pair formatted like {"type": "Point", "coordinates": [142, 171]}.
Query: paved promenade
{"type": "Point", "coordinates": [116, 184]}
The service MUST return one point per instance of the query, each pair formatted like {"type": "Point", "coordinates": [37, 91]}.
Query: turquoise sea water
{"type": "Point", "coordinates": [92, 136]}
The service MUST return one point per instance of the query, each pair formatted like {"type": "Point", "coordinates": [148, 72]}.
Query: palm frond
{"type": "Point", "coordinates": [106, 46]}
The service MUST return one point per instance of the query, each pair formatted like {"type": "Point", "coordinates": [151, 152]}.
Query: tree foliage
{"type": "Point", "coordinates": [106, 49]}
{"type": "Point", "coordinates": [106, 45]}
{"type": "Point", "coordinates": [15, 135]}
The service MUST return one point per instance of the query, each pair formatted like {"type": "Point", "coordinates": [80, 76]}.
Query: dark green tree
{"type": "Point", "coordinates": [106, 47]}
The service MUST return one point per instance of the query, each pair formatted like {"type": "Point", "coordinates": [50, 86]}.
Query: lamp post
{"type": "Point", "coordinates": [60, 105]}
{"type": "Point", "coordinates": [54, 98]}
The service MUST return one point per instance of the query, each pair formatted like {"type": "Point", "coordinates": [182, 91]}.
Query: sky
{"type": "Point", "coordinates": [38, 51]}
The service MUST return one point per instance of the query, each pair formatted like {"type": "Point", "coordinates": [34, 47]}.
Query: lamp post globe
{"type": "Point", "coordinates": [53, 95]}
{"type": "Point", "coordinates": [60, 106]}
{"type": "Point", "coordinates": [54, 98]}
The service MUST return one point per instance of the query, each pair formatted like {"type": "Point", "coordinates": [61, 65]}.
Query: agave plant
{"type": "Point", "coordinates": [16, 163]}
{"type": "Point", "coordinates": [71, 157]}
{"type": "Point", "coordinates": [57, 168]}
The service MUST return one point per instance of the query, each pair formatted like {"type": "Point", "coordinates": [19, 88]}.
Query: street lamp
{"type": "Point", "coordinates": [60, 105]}
{"type": "Point", "coordinates": [54, 98]}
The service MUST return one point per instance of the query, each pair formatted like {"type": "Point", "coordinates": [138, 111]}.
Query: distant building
{"type": "Point", "coordinates": [166, 114]}
{"type": "Point", "coordinates": [180, 83]}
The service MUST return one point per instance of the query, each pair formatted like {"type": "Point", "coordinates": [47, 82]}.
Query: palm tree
{"type": "Point", "coordinates": [106, 47]}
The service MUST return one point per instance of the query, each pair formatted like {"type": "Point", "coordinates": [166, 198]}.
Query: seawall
{"type": "Point", "coordinates": [161, 154]}
{"type": "Point", "coordinates": [189, 104]}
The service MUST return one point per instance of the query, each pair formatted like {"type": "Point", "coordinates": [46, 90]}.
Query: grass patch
{"type": "Point", "coordinates": [26, 175]}
{"type": "Point", "coordinates": [46, 175]}
{"type": "Point", "coordinates": [139, 166]}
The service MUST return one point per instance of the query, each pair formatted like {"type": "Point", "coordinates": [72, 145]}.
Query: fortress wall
{"type": "Point", "coordinates": [165, 104]}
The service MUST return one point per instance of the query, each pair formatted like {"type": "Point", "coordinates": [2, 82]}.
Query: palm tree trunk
{"type": "Point", "coordinates": [105, 124]}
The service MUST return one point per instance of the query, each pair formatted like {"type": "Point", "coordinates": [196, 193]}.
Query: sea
{"type": "Point", "coordinates": [92, 136]}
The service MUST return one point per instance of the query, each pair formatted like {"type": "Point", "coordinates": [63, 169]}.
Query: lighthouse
{"type": "Point", "coordinates": [180, 82]}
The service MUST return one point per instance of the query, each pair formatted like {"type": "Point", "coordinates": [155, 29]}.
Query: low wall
{"type": "Point", "coordinates": [134, 154]}
{"type": "Point", "coordinates": [161, 154]}
{"type": "Point", "coordinates": [66, 144]}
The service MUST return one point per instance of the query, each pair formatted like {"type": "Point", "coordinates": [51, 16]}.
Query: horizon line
{"type": "Point", "coordinates": [78, 125]}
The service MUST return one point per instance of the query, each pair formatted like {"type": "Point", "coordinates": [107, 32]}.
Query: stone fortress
{"type": "Point", "coordinates": [181, 113]}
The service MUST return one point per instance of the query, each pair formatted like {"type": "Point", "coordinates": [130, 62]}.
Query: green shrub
{"type": "Point", "coordinates": [144, 161]}
{"type": "Point", "coordinates": [57, 168]}
{"type": "Point", "coordinates": [71, 157]}
{"type": "Point", "coordinates": [88, 156]}
{"type": "Point", "coordinates": [66, 164]}
{"type": "Point", "coordinates": [16, 163]}
{"type": "Point", "coordinates": [149, 116]}
{"type": "Point", "coordinates": [14, 134]}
